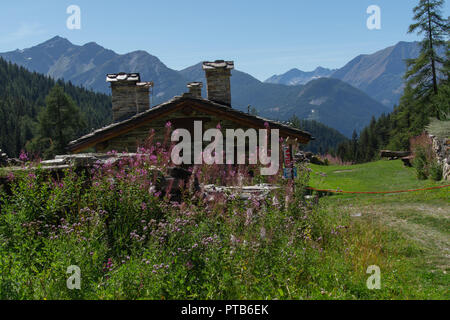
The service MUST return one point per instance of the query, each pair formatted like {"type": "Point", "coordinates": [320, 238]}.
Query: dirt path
{"type": "Point", "coordinates": [426, 224]}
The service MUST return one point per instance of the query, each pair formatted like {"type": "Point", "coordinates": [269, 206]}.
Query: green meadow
{"type": "Point", "coordinates": [414, 225]}
{"type": "Point", "coordinates": [131, 243]}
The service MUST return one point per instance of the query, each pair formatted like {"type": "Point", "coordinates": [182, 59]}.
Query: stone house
{"type": "Point", "coordinates": [134, 118]}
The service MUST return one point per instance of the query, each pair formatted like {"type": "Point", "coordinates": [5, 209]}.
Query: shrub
{"type": "Point", "coordinates": [436, 171]}
{"type": "Point", "coordinates": [424, 159]}
{"type": "Point", "coordinates": [131, 240]}
{"type": "Point", "coordinates": [420, 163]}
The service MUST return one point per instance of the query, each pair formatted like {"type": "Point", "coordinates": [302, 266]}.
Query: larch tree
{"type": "Point", "coordinates": [424, 72]}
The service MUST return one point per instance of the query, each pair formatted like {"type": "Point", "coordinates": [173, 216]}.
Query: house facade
{"type": "Point", "coordinates": [134, 119]}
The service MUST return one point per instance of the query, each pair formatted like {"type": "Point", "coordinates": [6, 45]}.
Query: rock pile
{"type": "Point", "coordinates": [261, 191]}
{"type": "Point", "coordinates": [441, 148]}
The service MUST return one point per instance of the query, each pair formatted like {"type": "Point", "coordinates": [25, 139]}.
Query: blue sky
{"type": "Point", "coordinates": [262, 37]}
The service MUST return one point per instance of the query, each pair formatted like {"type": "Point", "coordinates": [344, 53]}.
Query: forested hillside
{"type": "Point", "coordinates": [426, 95]}
{"type": "Point", "coordinates": [325, 138]}
{"type": "Point", "coordinates": [22, 96]}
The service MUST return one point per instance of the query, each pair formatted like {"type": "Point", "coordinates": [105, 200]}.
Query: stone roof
{"type": "Point", "coordinates": [195, 85]}
{"type": "Point", "coordinates": [128, 77]}
{"type": "Point", "coordinates": [218, 64]}
{"type": "Point", "coordinates": [187, 97]}
{"type": "Point", "coordinates": [122, 76]}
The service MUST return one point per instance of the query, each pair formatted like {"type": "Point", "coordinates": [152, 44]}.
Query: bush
{"type": "Point", "coordinates": [424, 158]}
{"type": "Point", "coordinates": [436, 171]}
{"type": "Point", "coordinates": [132, 241]}
{"type": "Point", "coordinates": [420, 163]}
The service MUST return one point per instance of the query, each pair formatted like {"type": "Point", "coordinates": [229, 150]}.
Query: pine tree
{"type": "Point", "coordinates": [354, 146]}
{"type": "Point", "coordinates": [59, 122]}
{"type": "Point", "coordinates": [423, 72]}
{"type": "Point", "coordinates": [441, 101]}
{"type": "Point", "coordinates": [22, 96]}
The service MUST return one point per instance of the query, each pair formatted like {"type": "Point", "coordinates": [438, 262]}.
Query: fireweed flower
{"type": "Point", "coordinates": [10, 176]}
{"type": "Point", "coordinates": [23, 156]}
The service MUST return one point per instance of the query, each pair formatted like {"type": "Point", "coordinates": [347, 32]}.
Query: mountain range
{"type": "Point", "coordinates": [88, 65]}
{"type": "Point", "coordinates": [336, 102]}
{"type": "Point", "coordinates": [380, 74]}
{"type": "Point", "coordinates": [295, 77]}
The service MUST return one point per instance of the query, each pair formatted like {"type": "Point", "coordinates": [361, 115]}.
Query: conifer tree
{"type": "Point", "coordinates": [59, 122]}
{"type": "Point", "coordinates": [423, 72]}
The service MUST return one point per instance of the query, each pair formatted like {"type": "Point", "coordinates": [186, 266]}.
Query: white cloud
{"type": "Point", "coordinates": [24, 31]}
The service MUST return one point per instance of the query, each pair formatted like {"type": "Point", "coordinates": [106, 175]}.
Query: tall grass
{"type": "Point", "coordinates": [334, 160]}
{"type": "Point", "coordinates": [425, 161]}
{"type": "Point", "coordinates": [131, 240]}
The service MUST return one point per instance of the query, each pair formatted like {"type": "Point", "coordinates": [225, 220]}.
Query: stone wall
{"type": "Point", "coordinates": [218, 86]}
{"type": "Point", "coordinates": [441, 148]}
{"type": "Point", "coordinates": [183, 118]}
{"type": "Point", "coordinates": [129, 99]}
{"type": "Point", "coordinates": [195, 89]}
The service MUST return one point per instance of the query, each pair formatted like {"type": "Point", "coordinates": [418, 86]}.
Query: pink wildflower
{"type": "Point", "coordinates": [23, 156]}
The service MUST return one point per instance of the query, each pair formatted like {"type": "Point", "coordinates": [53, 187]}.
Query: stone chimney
{"type": "Point", "coordinates": [195, 89]}
{"type": "Point", "coordinates": [218, 84]}
{"type": "Point", "coordinates": [130, 96]}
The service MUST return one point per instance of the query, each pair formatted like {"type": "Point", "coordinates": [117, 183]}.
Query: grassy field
{"type": "Point", "coordinates": [374, 176]}
{"type": "Point", "coordinates": [132, 244]}
{"type": "Point", "coordinates": [412, 228]}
